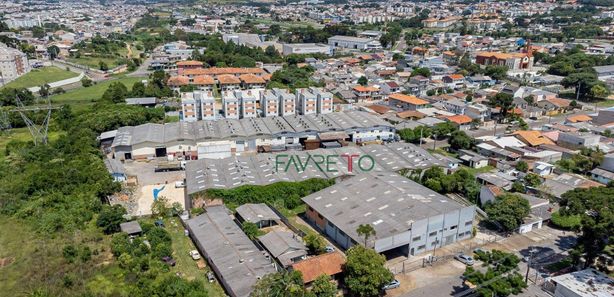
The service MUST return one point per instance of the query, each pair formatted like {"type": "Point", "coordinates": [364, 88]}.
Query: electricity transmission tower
{"type": "Point", "coordinates": [39, 131]}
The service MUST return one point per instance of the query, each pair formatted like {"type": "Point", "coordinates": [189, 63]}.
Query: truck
{"type": "Point", "coordinates": [170, 166]}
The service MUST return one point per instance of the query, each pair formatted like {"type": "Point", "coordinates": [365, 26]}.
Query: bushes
{"type": "Point", "coordinates": [566, 222]}
{"type": "Point", "coordinates": [288, 193]}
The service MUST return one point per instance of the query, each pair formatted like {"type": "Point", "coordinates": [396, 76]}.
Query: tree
{"type": "Point", "coordinates": [323, 286]}
{"type": "Point", "coordinates": [86, 82]}
{"type": "Point", "coordinates": [138, 89]}
{"type": "Point", "coordinates": [53, 52]}
{"type": "Point", "coordinates": [421, 71]}
{"type": "Point", "coordinates": [315, 243]}
{"type": "Point", "coordinates": [496, 72]}
{"type": "Point", "coordinates": [532, 180]}
{"type": "Point", "coordinates": [365, 230]}
{"type": "Point", "coordinates": [593, 205]}
{"type": "Point", "coordinates": [501, 277]}
{"type": "Point", "coordinates": [110, 217]}
{"type": "Point", "coordinates": [522, 166]}
{"type": "Point", "coordinates": [508, 210]}
{"type": "Point", "coordinates": [363, 81]}
{"type": "Point", "coordinates": [502, 100]}
{"type": "Point", "coordinates": [44, 90]}
{"type": "Point", "coordinates": [599, 91]}
{"type": "Point", "coordinates": [116, 93]}
{"type": "Point", "coordinates": [517, 187]}
{"type": "Point", "coordinates": [250, 229]}
{"type": "Point", "coordinates": [460, 140]}
{"type": "Point", "coordinates": [365, 273]}
{"type": "Point", "coordinates": [281, 284]}
{"type": "Point", "coordinates": [103, 66]}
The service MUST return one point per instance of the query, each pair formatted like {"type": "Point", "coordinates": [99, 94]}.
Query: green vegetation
{"type": "Point", "coordinates": [571, 222]}
{"type": "Point", "coordinates": [292, 77]}
{"type": "Point", "coordinates": [315, 243]}
{"type": "Point", "coordinates": [282, 284]}
{"type": "Point", "coordinates": [251, 230]}
{"type": "Point", "coordinates": [587, 160]}
{"type": "Point", "coordinates": [323, 286]}
{"type": "Point", "coordinates": [365, 273]}
{"type": "Point", "coordinates": [285, 194]}
{"type": "Point", "coordinates": [39, 77]}
{"type": "Point", "coordinates": [560, 265]}
{"type": "Point", "coordinates": [90, 94]}
{"type": "Point", "coordinates": [508, 211]}
{"type": "Point", "coordinates": [596, 224]}
{"type": "Point", "coordinates": [365, 230]}
{"type": "Point", "coordinates": [462, 182]}
{"type": "Point", "coordinates": [501, 277]}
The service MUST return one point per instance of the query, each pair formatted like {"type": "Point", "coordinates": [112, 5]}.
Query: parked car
{"type": "Point", "coordinates": [467, 260]}
{"type": "Point", "coordinates": [210, 277]}
{"type": "Point", "coordinates": [329, 248]}
{"type": "Point", "coordinates": [169, 261]}
{"type": "Point", "coordinates": [392, 285]}
{"type": "Point", "coordinates": [195, 255]}
{"type": "Point", "coordinates": [159, 223]}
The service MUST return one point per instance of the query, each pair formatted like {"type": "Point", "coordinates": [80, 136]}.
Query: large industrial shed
{"type": "Point", "coordinates": [406, 216]}
{"type": "Point", "coordinates": [234, 258]}
{"type": "Point", "coordinates": [228, 137]}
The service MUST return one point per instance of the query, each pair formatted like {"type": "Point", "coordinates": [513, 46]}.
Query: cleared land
{"type": "Point", "coordinates": [88, 95]}
{"type": "Point", "coordinates": [41, 76]}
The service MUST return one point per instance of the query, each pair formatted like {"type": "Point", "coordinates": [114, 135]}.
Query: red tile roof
{"type": "Point", "coordinates": [408, 99]}
{"type": "Point", "coordinates": [460, 119]}
{"type": "Point", "coordinates": [329, 264]}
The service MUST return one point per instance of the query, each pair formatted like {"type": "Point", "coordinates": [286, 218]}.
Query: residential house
{"type": "Point", "coordinates": [406, 102]}
{"type": "Point", "coordinates": [455, 106]}
{"type": "Point", "coordinates": [554, 106]}
{"type": "Point", "coordinates": [390, 87]}
{"type": "Point", "coordinates": [228, 82]}
{"type": "Point", "coordinates": [577, 140]}
{"type": "Point", "coordinates": [542, 168]}
{"type": "Point", "coordinates": [365, 94]}
{"type": "Point", "coordinates": [330, 264]}
{"type": "Point", "coordinates": [454, 81]}
{"type": "Point", "coordinates": [478, 111]}
{"type": "Point", "coordinates": [251, 81]}
{"type": "Point", "coordinates": [584, 283]}
{"type": "Point", "coordinates": [461, 121]}
{"type": "Point", "coordinates": [513, 61]}
{"type": "Point", "coordinates": [532, 137]}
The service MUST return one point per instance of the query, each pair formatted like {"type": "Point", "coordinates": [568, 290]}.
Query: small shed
{"type": "Point", "coordinates": [259, 214]}
{"type": "Point", "coordinates": [132, 228]}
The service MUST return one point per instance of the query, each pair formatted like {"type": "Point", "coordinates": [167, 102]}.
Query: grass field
{"type": "Point", "coordinates": [39, 77]}
{"type": "Point", "coordinates": [21, 134]}
{"type": "Point", "coordinates": [182, 245]}
{"type": "Point", "coordinates": [88, 95]}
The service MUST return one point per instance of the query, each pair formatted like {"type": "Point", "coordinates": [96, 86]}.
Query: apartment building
{"type": "Point", "coordinates": [230, 105]}
{"type": "Point", "coordinates": [13, 64]}
{"type": "Point", "coordinates": [248, 101]}
{"type": "Point", "coordinates": [198, 105]}
{"type": "Point", "coordinates": [325, 100]}
{"type": "Point", "coordinates": [269, 104]}
{"type": "Point", "coordinates": [287, 102]}
{"type": "Point", "coordinates": [308, 102]}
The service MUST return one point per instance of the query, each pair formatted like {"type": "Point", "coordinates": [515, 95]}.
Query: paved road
{"type": "Point", "coordinates": [142, 70]}
{"type": "Point", "coordinates": [446, 281]}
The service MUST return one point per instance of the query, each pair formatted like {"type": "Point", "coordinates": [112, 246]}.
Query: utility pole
{"type": "Point", "coordinates": [526, 277]}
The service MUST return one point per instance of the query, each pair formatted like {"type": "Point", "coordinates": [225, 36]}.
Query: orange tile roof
{"type": "Point", "coordinates": [251, 79]}
{"type": "Point", "coordinates": [559, 102]}
{"type": "Point", "coordinates": [408, 99]}
{"type": "Point", "coordinates": [223, 70]}
{"type": "Point", "coordinates": [579, 118]}
{"type": "Point", "coordinates": [360, 88]}
{"type": "Point", "coordinates": [189, 63]}
{"type": "Point", "coordinates": [227, 79]}
{"type": "Point", "coordinates": [203, 80]}
{"type": "Point", "coordinates": [459, 119]}
{"type": "Point", "coordinates": [381, 109]}
{"type": "Point", "coordinates": [503, 56]}
{"type": "Point", "coordinates": [329, 264]}
{"type": "Point", "coordinates": [532, 137]}
{"type": "Point", "coordinates": [179, 80]}
{"type": "Point", "coordinates": [410, 114]}
{"type": "Point", "coordinates": [456, 76]}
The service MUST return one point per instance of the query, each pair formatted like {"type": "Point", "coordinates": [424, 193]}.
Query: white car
{"type": "Point", "coordinates": [195, 255]}
{"type": "Point", "coordinates": [392, 285]}
{"type": "Point", "coordinates": [467, 260]}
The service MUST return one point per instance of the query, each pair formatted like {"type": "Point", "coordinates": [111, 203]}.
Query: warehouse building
{"type": "Point", "coordinates": [266, 168]}
{"type": "Point", "coordinates": [354, 43]}
{"type": "Point", "coordinates": [234, 258]}
{"type": "Point", "coordinates": [226, 137]}
{"type": "Point", "coordinates": [407, 217]}
{"type": "Point", "coordinates": [306, 48]}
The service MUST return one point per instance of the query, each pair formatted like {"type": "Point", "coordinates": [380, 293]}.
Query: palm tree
{"type": "Point", "coordinates": [365, 230]}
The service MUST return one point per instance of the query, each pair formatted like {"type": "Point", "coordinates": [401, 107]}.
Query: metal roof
{"type": "Point", "coordinates": [199, 131]}
{"type": "Point", "coordinates": [233, 256]}
{"type": "Point", "coordinates": [389, 202]}
{"type": "Point", "coordinates": [256, 213]}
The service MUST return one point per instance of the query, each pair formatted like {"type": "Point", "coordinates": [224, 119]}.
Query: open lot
{"type": "Point", "coordinates": [152, 183]}
{"type": "Point", "coordinates": [41, 76]}
{"type": "Point", "coordinates": [86, 96]}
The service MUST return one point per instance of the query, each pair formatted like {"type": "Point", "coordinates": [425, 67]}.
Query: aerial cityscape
{"type": "Point", "coordinates": [307, 148]}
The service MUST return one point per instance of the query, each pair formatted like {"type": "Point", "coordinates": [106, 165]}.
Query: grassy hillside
{"type": "Point", "coordinates": [41, 76]}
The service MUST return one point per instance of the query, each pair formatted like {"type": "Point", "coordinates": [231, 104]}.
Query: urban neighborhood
{"type": "Point", "coordinates": [313, 148]}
